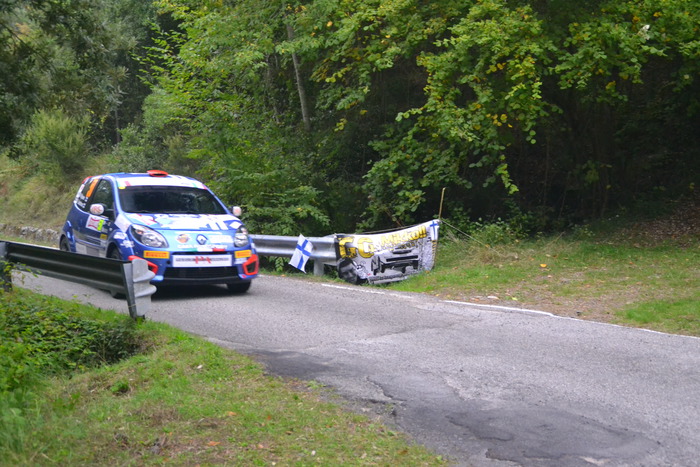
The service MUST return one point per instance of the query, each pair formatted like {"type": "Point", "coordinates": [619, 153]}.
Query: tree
{"type": "Point", "coordinates": [222, 85]}
{"type": "Point", "coordinates": [541, 97]}
{"type": "Point", "coordinates": [366, 109]}
{"type": "Point", "coordinates": [64, 54]}
{"type": "Point", "coordinates": [55, 144]}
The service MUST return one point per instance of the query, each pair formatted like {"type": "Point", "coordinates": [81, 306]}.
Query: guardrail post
{"type": "Point", "coordinates": [5, 269]}
{"type": "Point", "coordinates": [137, 278]}
{"type": "Point", "coordinates": [318, 267]}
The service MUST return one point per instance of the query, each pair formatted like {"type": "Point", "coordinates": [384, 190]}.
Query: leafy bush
{"type": "Point", "coordinates": [57, 143]}
{"type": "Point", "coordinates": [39, 337]}
{"type": "Point", "coordinates": [498, 232]}
{"type": "Point", "coordinates": [494, 233]}
{"type": "Point", "coordinates": [39, 334]}
{"type": "Point", "coordinates": [18, 369]}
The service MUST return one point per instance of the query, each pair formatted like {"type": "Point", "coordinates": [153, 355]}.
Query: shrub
{"type": "Point", "coordinates": [18, 369]}
{"type": "Point", "coordinates": [57, 143]}
{"type": "Point", "coordinates": [53, 340]}
{"type": "Point", "coordinates": [39, 337]}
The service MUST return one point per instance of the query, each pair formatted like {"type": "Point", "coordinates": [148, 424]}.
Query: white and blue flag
{"type": "Point", "coordinates": [302, 253]}
{"type": "Point", "coordinates": [433, 229]}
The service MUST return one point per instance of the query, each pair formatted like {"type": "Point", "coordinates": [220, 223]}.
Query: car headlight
{"type": "Point", "coordinates": [148, 236]}
{"type": "Point", "coordinates": [241, 238]}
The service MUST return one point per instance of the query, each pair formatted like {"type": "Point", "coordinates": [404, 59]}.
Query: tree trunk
{"type": "Point", "coordinates": [300, 85]}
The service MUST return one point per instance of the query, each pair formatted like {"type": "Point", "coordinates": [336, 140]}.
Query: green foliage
{"type": "Point", "coordinates": [18, 84]}
{"type": "Point", "coordinates": [19, 370]}
{"type": "Point", "coordinates": [498, 232]}
{"type": "Point", "coordinates": [55, 144]}
{"type": "Point", "coordinates": [41, 338]}
{"type": "Point", "coordinates": [603, 52]}
{"type": "Point", "coordinates": [219, 113]}
{"type": "Point", "coordinates": [359, 113]}
{"type": "Point", "coordinates": [519, 94]}
{"type": "Point", "coordinates": [276, 198]}
{"type": "Point", "coordinates": [157, 142]}
{"type": "Point", "coordinates": [41, 335]}
{"type": "Point", "coordinates": [63, 54]}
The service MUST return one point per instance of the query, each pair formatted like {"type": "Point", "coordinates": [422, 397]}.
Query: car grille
{"type": "Point", "coordinates": [200, 273]}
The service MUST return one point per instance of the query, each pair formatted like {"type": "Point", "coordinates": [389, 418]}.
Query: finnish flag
{"type": "Point", "coordinates": [433, 230]}
{"type": "Point", "coordinates": [301, 253]}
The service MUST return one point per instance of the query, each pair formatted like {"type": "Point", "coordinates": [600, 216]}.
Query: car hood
{"type": "Point", "coordinates": [181, 222]}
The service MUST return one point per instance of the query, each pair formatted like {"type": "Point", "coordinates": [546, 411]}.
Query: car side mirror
{"type": "Point", "coordinates": [97, 209]}
{"type": "Point", "coordinates": [236, 210]}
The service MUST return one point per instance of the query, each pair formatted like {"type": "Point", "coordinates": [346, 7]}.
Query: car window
{"type": "Point", "coordinates": [86, 191]}
{"type": "Point", "coordinates": [169, 200]}
{"type": "Point", "coordinates": [103, 194]}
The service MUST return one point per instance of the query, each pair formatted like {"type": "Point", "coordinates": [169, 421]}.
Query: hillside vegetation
{"type": "Point", "coordinates": [331, 115]}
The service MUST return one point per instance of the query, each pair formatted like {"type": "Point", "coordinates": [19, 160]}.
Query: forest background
{"type": "Point", "coordinates": [343, 115]}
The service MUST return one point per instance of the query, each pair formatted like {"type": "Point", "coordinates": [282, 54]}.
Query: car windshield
{"type": "Point", "coordinates": [169, 200]}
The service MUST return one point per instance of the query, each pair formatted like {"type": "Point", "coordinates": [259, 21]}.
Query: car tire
{"type": "Point", "coordinates": [114, 254]}
{"type": "Point", "coordinates": [63, 245]}
{"type": "Point", "coordinates": [239, 287]}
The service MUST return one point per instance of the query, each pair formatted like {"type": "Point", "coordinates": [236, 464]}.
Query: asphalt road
{"type": "Point", "coordinates": [484, 386]}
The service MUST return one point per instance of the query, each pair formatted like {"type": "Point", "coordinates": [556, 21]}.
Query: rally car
{"type": "Point", "coordinates": [184, 232]}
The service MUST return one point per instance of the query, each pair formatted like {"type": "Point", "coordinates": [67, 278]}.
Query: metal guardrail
{"type": "Point", "coordinates": [325, 248]}
{"type": "Point", "coordinates": [130, 278]}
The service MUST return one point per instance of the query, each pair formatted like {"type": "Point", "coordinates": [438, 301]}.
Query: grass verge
{"type": "Point", "coordinates": [597, 276]}
{"type": "Point", "coordinates": [180, 401]}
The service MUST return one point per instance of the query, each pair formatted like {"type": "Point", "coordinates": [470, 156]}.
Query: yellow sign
{"type": "Point", "coordinates": [243, 254]}
{"type": "Point", "coordinates": [156, 254]}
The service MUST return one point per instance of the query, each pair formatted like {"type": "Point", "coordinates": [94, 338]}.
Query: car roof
{"type": "Point", "coordinates": [153, 178]}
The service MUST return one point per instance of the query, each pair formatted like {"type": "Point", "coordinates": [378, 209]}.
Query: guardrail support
{"type": "Point", "coordinates": [318, 267]}
{"type": "Point", "coordinates": [137, 281]}
{"type": "Point", "coordinates": [5, 269]}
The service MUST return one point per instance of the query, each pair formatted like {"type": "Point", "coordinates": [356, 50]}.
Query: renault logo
{"type": "Point", "coordinates": [201, 239]}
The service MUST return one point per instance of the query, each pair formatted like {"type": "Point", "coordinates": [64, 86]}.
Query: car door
{"type": "Point", "coordinates": [79, 214]}
{"type": "Point", "coordinates": [99, 222]}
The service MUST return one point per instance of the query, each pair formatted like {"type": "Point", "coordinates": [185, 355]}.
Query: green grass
{"type": "Point", "coordinates": [600, 277]}
{"type": "Point", "coordinates": [680, 317]}
{"type": "Point", "coordinates": [184, 401]}
{"type": "Point", "coordinates": [32, 199]}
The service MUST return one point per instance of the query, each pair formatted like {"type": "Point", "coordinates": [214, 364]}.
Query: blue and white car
{"type": "Point", "coordinates": [187, 235]}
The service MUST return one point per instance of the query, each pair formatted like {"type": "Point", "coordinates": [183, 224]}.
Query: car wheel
{"type": "Point", "coordinates": [239, 287]}
{"type": "Point", "coordinates": [114, 254]}
{"type": "Point", "coordinates": [63, 244]}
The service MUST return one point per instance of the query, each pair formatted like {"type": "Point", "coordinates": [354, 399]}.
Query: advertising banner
{"type": "Point", "coordinates": [388, 256]}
